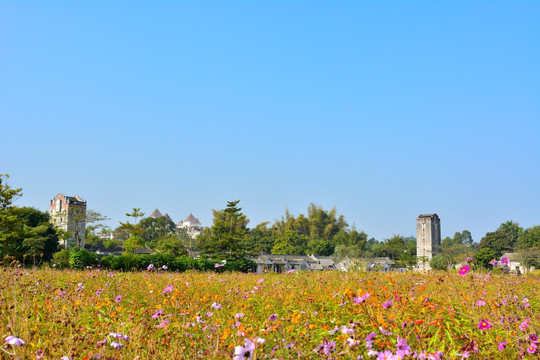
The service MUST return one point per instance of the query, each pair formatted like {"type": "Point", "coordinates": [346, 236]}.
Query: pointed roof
{"type": "Point", "coordinates": [192, 219]}
{"type": "Point", "coordinates": [155, 214]}
{"type": "Point", "coordinates": [180, 223]}
{"type": "Point", "coordinates": [166, 215]}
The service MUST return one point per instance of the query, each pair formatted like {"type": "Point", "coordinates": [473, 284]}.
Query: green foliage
{"type": "Point", "coordinates": [173, 245]}
{"type": "Point", "coordinates": [290, 243]}
{"type": "Point", "coordinates": [155, 229]}
{"type": "Point", "coordinates": [438, 262]}
{"type": "Point", "coordinates": [133, 243]}
{"type": "Point", "coordinates": [80, 259]}
{"type": "Point", "coordinates": [529, 238]}
{"type": "Point", "coordinates": [484, 256]}
{"type": "Point", "coordinates": [503, 239]}
{"type": "Point", "coordinates": [61, 259]}
{"type": "Point", "coordinates": [229, 233]}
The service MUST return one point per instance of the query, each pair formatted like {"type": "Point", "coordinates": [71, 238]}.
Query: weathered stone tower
{"type": "Point", "coordinates": [428, 239]}
{"type": "Point", "coordinates": [69, 213]}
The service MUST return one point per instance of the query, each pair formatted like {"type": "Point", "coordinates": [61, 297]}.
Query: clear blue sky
{"type": "Point", "coordinates": [384, 109]}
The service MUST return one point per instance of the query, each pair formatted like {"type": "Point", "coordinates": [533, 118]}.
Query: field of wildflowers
{"type": "Point", "coordinates": [93, 314]}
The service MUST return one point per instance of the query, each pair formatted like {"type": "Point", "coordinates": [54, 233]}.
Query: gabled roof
{"type": "Point", "coordinates": [166, 215]}
{"type": "Point", "coordinates": [180, 223]}
{"type": "Point", "coordinates": [155, 214]}
{"type": "Point", "coordinates": [192, 219]}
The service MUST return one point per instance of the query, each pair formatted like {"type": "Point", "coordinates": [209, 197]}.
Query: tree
{"type": "Point", "coordinates": [484, 256]}
{"type": "Point", "coordinates": [173, 244]}
{"type": "Point", "coordinates": [132, 243]}
{"type": "Point", "coordinates": [291, 243]}
{"type": "Point", "coordinates": [261, 238]}
{"type": "Point", "coordinates": [155, 229]}
{"type": "Point", "coordinates": [528, 238]}
{"type": "Point", "coordinates": [503, 239]}
{"type": "Point", "coordinates": [229, 233]}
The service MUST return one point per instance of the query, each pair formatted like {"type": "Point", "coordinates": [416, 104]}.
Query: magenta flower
{"type": "Point", "coordinates": [361, 299]}
{"type": "Point", "coordinates": [118, 298]}
{"type": "Point", "coordinates": [534, 338]}
{"type": "Point", "coordinates": [502, 345]}
{"type": "Point", "coordinates": [464, 270]}
{"type": "Point", "coordinates": [102, 342]}
{"type": "Point", "coordinates": [169, 288]}
{"type": "Point", "coordinates": [99, 292]}
{"type": "Point", "coordinates": [480, 302]}
{"type": "Point", "coordinates": [493, 262]}
{"type": "Point", "coordinates": [12, 340]}
{"type": "Point", "coordinates": [272, 317]}
{"type": "Point", "coordinates": [532, 349]}
{"type": "Point", "coordinates": [505, 261]}
{"type": "Point", "coordinates": [387, 304]}
{"type": "Point", "coordinates": [157, 313]}
{"type": "Point", "coordinates": [484, 325]}
{"type": "Point", "coordinates": [469, 259]}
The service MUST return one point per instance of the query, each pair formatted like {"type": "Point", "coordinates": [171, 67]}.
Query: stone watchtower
{"type": "Point", "coordinates": [428, 239]}
{"type": "Point", "coordinates": [69, 213]}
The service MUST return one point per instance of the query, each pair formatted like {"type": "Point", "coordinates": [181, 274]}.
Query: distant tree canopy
{"type": "Point", "coordinates": [24, 231]}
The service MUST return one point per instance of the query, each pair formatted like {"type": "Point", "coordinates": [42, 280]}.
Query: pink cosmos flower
{"type": "Point", "coordinates": [493, 262]}
{"type": "Point", "coordinates": [239, 315]}
{"type": "Point", "coordinates": [102, 342]}
{"type": "Point", "coordinates": [480, 302]}
{"type": "Point", "coordinates": [534, 338]}
{"type": "Point", "coordinates": [117, 345]}
{"type": "Point", "coordinates": [502, 345]}
{"type": "Point", "coordinates": [150, 267]}
{"type": "Point", "coordinates": [464, 270]}
{"type": "Point", "coordinates": [361, 299]}
{"type": "Point", "coordinates": [12, 340]}
{"type": "Point", "coordinates": [387, 304]}
{"type": "Point", "coordinates": [505, 261]}
{"type": "Point", "coordinates": [484, 325]}
{"type": "Point", "coordinates": [217, 265]}
{"type": "Point", "coordinates": [532, 349]}
{"type": "Point", "coordinates": [119, 336]}
{"type": "Point", "coordinates": [387, 355]}
{"type": "Point", "coordinates": [216, 306]}
{"type": "Point", "coordinates": [118, 298]}
{"type": "Point", "coordinates": [169, 288]}
{"type": "Point", "coordinates": [272, 317]}
{"type": "Point", "coordinates": [244, 352]}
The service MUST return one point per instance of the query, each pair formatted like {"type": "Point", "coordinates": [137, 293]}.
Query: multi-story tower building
{"type": "Point", "coordinates": [69, 214]}
{"type": "Point", "coordinates": [428, 239]}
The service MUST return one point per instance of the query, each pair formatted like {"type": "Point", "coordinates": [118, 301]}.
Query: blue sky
{"type": "Point", "coordinates": [385, 110]}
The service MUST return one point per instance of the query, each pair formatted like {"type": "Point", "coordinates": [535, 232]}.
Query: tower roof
{"type": "Point", "coordinates": [180, 223]}
{"type": "Point", "coordinates": [167, 216]}
{"type": "Point", "coordinates": [192, 219]}
{"type": "Point", "coordinates": [427, 215]}
{"type": "Point", "coordinates": [155, 214]}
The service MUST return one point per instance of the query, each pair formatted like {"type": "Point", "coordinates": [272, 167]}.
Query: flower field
{"type": "Point", "coordinates": [93, 314]}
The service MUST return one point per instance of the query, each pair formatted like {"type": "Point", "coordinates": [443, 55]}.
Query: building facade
{"type": "Point", "coordinates": [428, 239]}
{"type": "Point", "coordinates": [69, 214]}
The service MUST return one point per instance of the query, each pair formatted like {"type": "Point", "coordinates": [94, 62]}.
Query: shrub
{"type": "Point", "coordinates": [61, 259]}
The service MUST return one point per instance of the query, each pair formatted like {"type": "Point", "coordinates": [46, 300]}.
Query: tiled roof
{"type": "Point", "coordinates": [155, 214]}
{"type": "Point", "coordinates": [192, 219]}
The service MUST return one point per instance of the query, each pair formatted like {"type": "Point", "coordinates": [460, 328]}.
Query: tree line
{"type": "Point", "coordinates": [26, 234]}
